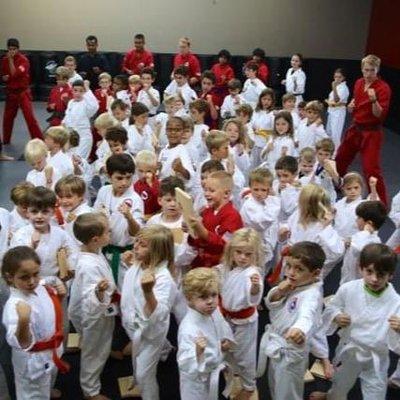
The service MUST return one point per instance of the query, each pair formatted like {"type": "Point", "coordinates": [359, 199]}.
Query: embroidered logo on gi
{"type": "Point", "coordinates": [144, 195]}
{"type": "Point", "coordinates": [292, 304]}
{"type": "Point", "coordinates": [128, 202]}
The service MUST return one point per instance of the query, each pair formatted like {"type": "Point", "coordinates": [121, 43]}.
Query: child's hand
{"type": "Point", "coordinates": [226, 345]}
{"type": "Point", "coordinates": [351, 105]}
{"type": "Point", "coordinates": [328, 218]}
{"type": "Point", "coordinates": [76, 160]}
{"type": "Point", "coordinates": [283, 234]}
{"type": "Point", "coordinates": [86, 85]}
{"type": "Point", "coordinates": [330, 167]}
{"type": "Point", "coordinates": [284, 151]}
{"type": "Point", "coordinates": [201, 343]}
{"type": "Point", "coordinates": [125, 210]}
{"type": "Point", "coordinates": [60, 288]}
{"type": "Point", "coordinates": [371, 95]}
{"type": "Point", "coordinates": [394, 323]}
{"type": "Point", "coordinates": [230, 165]}
{"type": "Point", "coordinates": [347, 243]}
{"type": "Point", "coordinates": [104, 210]}
{"type": "Point", "coordinates": [23, 311]}
{"type": "Point", "coordinates": [71, 217]}
{"type": "Point", "coordinates": [177, 165]}
{"type": "Point", "coordinates": [149, 178]}
{"type": "Point", "coordinates": [285, 287]}
{"type": "Point", "coordinates": [35, 239]}
{"type": "Point", "coordinates": [372, 181]}
{"type": "Point", "coordinates": [203, 135]}
{"type": "Point", "coordinates": [128, 257]}
{"type": "Point", "coordinates": [48, 173]}
{"type": "Point", "coordinates": [148, 281]}
{"type": "Point", "coordinates": [343, 320]}
{"type": "Point", "coordinates": [51, 106]}
{"type": "Point", "coordinates": [255, 284]}
{"type": "Point", "coordinates": [154, 142]}
{"type": "Point", "coordinates": [368, 227]}
{"type": "Point", "coordinates": [296, 336]}
{"type": "Point", "coordinates": [270, 146]}
{"type": "Point", "coordinates": [102, 285]}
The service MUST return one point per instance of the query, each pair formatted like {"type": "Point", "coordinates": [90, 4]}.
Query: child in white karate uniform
{"type": "Point", "coordinates": [92, 304]}
{"type": "Point", "coordinates": [120, 87]}
{"type": "Point", "coordinates": [179, 85]}
{"type": "Point", "coordinates": [238, 144]}
{"type": "Point", "coordinates": [367, 312]}
{"type": "Point", "coordinates": [289, 104]}
{"type": "Point", "coordinates": [199, 109]}
{"type": "Point", "coordinates": [281, 142]}
{"type": "Point", "coordinates": [311, 129]}
{"type": "Point", "coordinates": [262, 124]}
{"type": "Point", "coordinates": [260, 211]}
{"type": "Point", "coordinates": [70, 192]}
{"type": "Point", "coordinates": [295, 81]}
{"type": "Point", "coordinates": [337, 101]}
{"type": "Point", "coordinates": [241, 292]}
{"type": "Point", "coordinates": [49, 241]}
{"type": "Point", "coordinates": [147, 297]}
{"type": "Point", "coordinates": [56, 138]}
{"type": "Point", "coordinates": [253, 86]}
{"type": "Point", "coordinates": [233, 100]}
{"type": "Point", "coordinates": [295, 308]}
{"type": "Point", "coordinates": [33, 319]}
{"type": "Point", "coordinates": [41, 174]}
{"type": "Point", "coordinates": [5, 231]}
{"type": "Point", "coordinates": [371, 215]}
{"type": "Point", "coordinates": [80, 109]}
{"type": "Point", "coordinates": [140, 134]}
{"type": "Point", "coordinates": [307, 160]}
{"type": "Point", "coordinates": [174, 158]}
{"type": "Point", "coordinates": [19, 214]}
{"type": "Point", "coordinates": [124, 208]}
{"type": "Point", "coordinates": [148, 95]}
{"type": "Point", "coordinates": [121, 112]}
{"type": "Point", "coordinates": [162, 118]}
{"type": "Point", "coordinates": [204, 337]}
{"type": "Point", "coordinates": [313, 222]}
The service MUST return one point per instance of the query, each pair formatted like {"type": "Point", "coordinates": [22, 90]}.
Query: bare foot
{"type": "Point", "coordinates": [4, 157]}
{"type": "Point", "coordinates": [55, 394]}
{"type": "Point", "coordinates": [318, 396]}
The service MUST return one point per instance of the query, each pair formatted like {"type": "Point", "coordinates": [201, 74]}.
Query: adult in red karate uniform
{"type": "Point", "coordinates": [369, 106]}
{"type": "Point", "coordinates": [15, 73]}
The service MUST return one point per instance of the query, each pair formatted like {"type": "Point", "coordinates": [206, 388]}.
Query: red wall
{"type": "Point", "coordinates": [384, 32]}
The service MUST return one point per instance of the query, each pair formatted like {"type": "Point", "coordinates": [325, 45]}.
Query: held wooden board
{"type": "Point", "coordinates": [73, 341]}
{"type": "Point", "coordinates": [186, 203]}
{"type": "Point", "coordinates": [125, 388]}
{"type": "Point", "coordinates": [318, 370]}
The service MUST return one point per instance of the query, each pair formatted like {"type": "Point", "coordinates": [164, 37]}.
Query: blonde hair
{"type": "Point", "coordinates": [261, 175]}
{"type": "Point", "coordinates": [105, 121]}
{"type": "Point", "coordinates": [133, 79]}
{"type": "Point", "coordinates": [184, 40]}
{"type": "Point", "coordinates": [315, 106]}
{"type": "Point", "coordinates": [63, 73]}
{"type": "Point", "coordinates": [224, 179]}
{"type": "Point", "coordinates": [160, 244]}
{"type": "Point", "coordinates": [169, 100]}
{"type": "Point", "coordinates": [351, 177]}
{"type": "Point", "coordinates": [70, 184]}
{"type": "Point", "coordinates": [20, 192]}
{"type": "Point", "coordinates": [244, 237]}
{"type": "Point", "coordinates": [325, 144]}
{"type": "Point", "coordinates": [34, 150]}
{"type": "Point", "coordinates": [307, 154]}
{"type": "Point", "coordinates": [200, 281]}
{"type": "Point", "coordinates": [70, 58]}
{"type": "Point", "coordinates": [146, 157]}
{"type": "Point", "coordinates": [59, 134]}
{"type": "Point", "coordinates": [371, 59]}
{"type": "Point", "coordinates": [243, 139]}
{"type": "Point", "coordinates": [215, 139]}
{"type": "Point", "coordinates": [188, 123]}
{"type": "Point", "coordinates": [314, 202]}
{"type": "Point", "coordinates": [105, 75]}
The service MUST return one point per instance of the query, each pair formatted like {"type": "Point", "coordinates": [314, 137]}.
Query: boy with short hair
{"type": "Point", "coordinates": [203, 336]}
{"type": "Point", "coordinates": [233, 100]}
{"type": "Point", "coordinates": [310, 129]}
{"type": "Point", "coordinates": [124, 209]}
{"type": "Point", "coordinates": [367, 312]}
{"type": "Point", "coordinates": [91, 307]}
{"type": "Point", "coordinates": [217, 222]}
{"type": "Point", "coordinates": [253, 86]}
{"type": "Point", "coordinates": [307, 161]}
{"type": "Point", "coordinates": [162, 118]}
{"type": "Point", "coordinates": [295, 308]}
{"type": "Point", "coordinates": [140, 134]}
{"type": "Point", "coordinates": [135, 84]}
{"type": "Point", "coordinates": [47, 240]}
{"type": "Point", "coordinates": [70, 192]}
{"type": "Point", "coordinates": [81, 108]}
{"type": "Point", "coordinates": [59, 97]}
{"type": "Point", "coordinates": [101, 124]}
{"type": "Point", "coordinates": [41, 174]}
{"type": "Point", "coordinates": [180, 85]}
{"type": "Point", "coordinates": [70, 64]}
{"type": "Point", "coordinates": [289, 104]}
{"type": "Point", "coordinates": [260, 210]}
{"type": "Point", "coordinates": [120, 111]}
{"type": "Point", "coordinates": [148, 185]}
{"type": "Point", "coordinates": [104, 92]}
{"type": "Point", "coordinates": [210, 94]}
{"type": "Point", "coordinates": [19, 214]}
{"type": "Point", "coordinates": [117, 139]}
{"type": "Point", "coordinates": [148, 95]}
{"type": "Point", "coordinates": [371, 215]}
{"type": "Point", "coordinates": [56, 137]}
{"type": "Point", "coordinates": [120, 87]}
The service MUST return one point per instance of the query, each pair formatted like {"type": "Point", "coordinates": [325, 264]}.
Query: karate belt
{"type": "Point", "coordinates": [115, 252]}
{"type": "Point", "coordinates": [240, 314]}
{"type": "Point", "coordinates": [273, 278]}
{"type": "Point", "coordinates": [56, 340]}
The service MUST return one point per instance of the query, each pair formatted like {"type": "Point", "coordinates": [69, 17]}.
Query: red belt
{"type": "Point", "coordinates": [240, 314]}
{"type": "Point", "coordinates": [55, 341]}
{"type": "Point", "coordinates": [276, 273]}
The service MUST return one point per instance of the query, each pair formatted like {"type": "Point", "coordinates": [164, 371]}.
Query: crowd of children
{"type": "Point", "coordinates": [98, 242]}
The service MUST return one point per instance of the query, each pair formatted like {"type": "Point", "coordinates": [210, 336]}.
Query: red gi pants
{"type": "Point", "coordinates": [368, 141]}
{"type": "Point", "coordinates": [14, 100]}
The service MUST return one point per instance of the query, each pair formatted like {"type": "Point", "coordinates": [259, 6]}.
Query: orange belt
{"type": "Point", "coordinates": [55, 341]}
{"type": "Point", "coordinates": [273, 278]}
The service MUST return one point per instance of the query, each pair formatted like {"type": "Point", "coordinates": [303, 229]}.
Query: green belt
{"type": "Point", "coordinates": [115, 252]}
